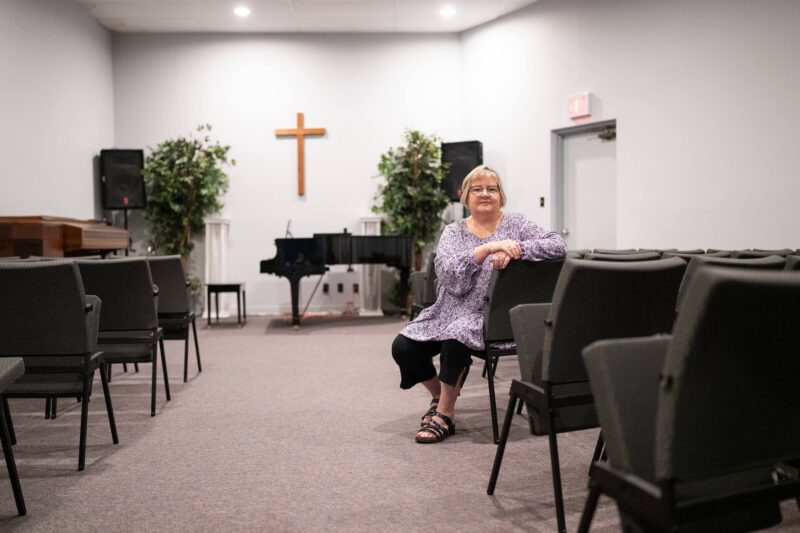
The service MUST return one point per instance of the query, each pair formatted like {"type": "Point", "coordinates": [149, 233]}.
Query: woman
{"type": "Point", "coordinates": [468, 251]}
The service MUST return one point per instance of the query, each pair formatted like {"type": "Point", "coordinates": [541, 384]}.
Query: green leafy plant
{"type": "Point", "coordinates": [185, 183]}
{"type": "Point", "coordinates": [412, 197]}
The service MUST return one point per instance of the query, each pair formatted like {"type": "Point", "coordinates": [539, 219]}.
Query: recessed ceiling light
{"type": "Point", "coordinates": [242, 11]}
{"type": "Point", "coordinates": [447, 11]}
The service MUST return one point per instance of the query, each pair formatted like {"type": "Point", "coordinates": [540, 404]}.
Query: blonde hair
{"type": "Point", "coordinates": [481, 170]}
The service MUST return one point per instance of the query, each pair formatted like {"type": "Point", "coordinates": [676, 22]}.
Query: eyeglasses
{"type": "Point", "coordinates": [477, 191]}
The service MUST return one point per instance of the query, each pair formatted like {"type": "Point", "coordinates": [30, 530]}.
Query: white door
{"type": "Point", "coordinates": [590, 192]}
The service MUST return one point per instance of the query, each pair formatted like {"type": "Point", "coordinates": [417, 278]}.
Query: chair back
{"type": "Point", "coordinates": [521, 282]}
{"type": "Point", "coordinates": [688, 254]}
{"type": "Point", "coordinates": [578, 254]}
{"type": "Point", "coordinates": [429, 291]}
{"type": "Point", "coordinates": [793, 262]}
{"type": "Point", "coordinates": [764, 263]}
{"type": "Point", "coordinates": [729, 396]}
{"type": "Point", "coordinates": [751, 254]}
{"type": "Point", "coordinates": [637, 256]}
{"type": "Point", "coordinates": [606, 300]}
{"type": "Point", "coordinates": [679, 253]}
{"type": "Point", "coordinates": [612, 251]}
{"type": "Point", "coordinates": [168, 275]}
{"type": "Point", "coordinates": [126, 288]}
{"type": "Point", "coordinates": [42, 309]}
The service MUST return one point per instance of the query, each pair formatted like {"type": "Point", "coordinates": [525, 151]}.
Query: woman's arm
{"type": "Point", "coordinates": [538, 243]}
{"type": "Point", "coordinates": [456, 268]}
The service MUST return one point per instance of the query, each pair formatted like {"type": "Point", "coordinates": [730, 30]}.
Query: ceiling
{"type": "Point", "coordinates": [338, 16]}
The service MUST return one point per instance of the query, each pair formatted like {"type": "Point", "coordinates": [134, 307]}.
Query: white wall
{"type": "Point", "coordinates": [364, 89]}
{"type": "Point", "coordinates": [703, 94]}
{"type": "Point", "coordinates": [56, 107]}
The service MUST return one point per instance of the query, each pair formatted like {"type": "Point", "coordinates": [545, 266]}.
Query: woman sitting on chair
{"type": "Point", "coordinates": [453, 326]}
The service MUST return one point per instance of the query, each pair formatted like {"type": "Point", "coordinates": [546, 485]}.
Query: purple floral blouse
{"type": "Point", "coordinates": [458, 311]}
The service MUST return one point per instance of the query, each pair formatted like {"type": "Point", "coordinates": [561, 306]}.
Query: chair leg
{"type": "Point", "coordinates": [153, 381]}
{"type": "Point", "coordinates": [588, 510]}
{"type": "Point", "coordinates": [12, 436]}
{"type": "Point", "coordinates": [197, 345]}
{"type": "Point", "coordinates": [8, 452]}
{"type": "Point", "coordinates": [599, 449]}
{"type": "Point", "coordinates": [556, 469]}
{"type": "Point", "coordinates": [492, 401]}
{"type": "Point", "coordinates": [501, 446]}
{"type": "Point", "coordinates": [186, 354]}
{"type": "Point", "coordinates": [47, 408]}
{"type": "Point", "coordinates": [483, 373]}
{"type": "Point", "coordinates": [519, 407]}
{"type": "Point", "coordinates": [108, 370]}
{"type": "Point", "coordinates": [136, 366]}
{"type": "Point", "coordinates": [109, 409]}
{"type": "Point", "coordinates": [87, 379]}
{"type": "Point", "coordinates": [53, 408]}
{"type": "Point", "coordinates": [124, 367]}
{"type": "Point", "coordinates": [164, 367]}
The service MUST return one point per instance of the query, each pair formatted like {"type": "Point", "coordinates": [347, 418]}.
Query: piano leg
{"type": "Point", "coordinates": [295, 284]}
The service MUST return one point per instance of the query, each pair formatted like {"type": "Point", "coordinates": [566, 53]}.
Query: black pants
{"type": "Point", "coordinates": [415, 359]}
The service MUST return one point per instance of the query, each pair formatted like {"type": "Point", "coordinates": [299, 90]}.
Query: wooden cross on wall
{"type": "Point", "coordinates": [300, 131]}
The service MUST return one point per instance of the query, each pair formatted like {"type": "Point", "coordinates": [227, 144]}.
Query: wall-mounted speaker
{"type": "Point", "coordinates": [121, 180]}
{"type": "Point", "coordinates": [463, 157]}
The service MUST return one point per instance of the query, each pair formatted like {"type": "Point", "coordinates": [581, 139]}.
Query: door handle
{"type": "Point", "coordinates": [565, 232]}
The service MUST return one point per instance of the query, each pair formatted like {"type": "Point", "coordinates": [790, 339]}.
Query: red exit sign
{"type": "Point", "coordinates": [580, 105]}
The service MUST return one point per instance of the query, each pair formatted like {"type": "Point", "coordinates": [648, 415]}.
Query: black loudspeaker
{"type": "Point", "coordinates": [463, 157]}
{"type": "Point", "coordinates": [121, 180]}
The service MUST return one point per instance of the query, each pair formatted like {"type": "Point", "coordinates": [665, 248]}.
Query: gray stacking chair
{"type": "Point", "coordinates": [773, 262]}
{"type": "Point", "coordinates": [636, 256]}
{"type": "Point", "coordinates": [417, 281]}
{"type": "Point", "coordinates": [592, 300]}
{"type": "Point", "coordinates": [11, 369]}
{"type": "Point", "coordinates": [793, 262]}
{"type": "Point", "coordinates": [578, 254]}
{"type": "Point", "coordinates": [48, 320]}
{"type": "Point", "coordinates": [174, 308]}
{"type": "Point", "coordinates": [424, 285]}
{"type": "Point", "coordinates": [688, 254]}
{"type": "Point", "coordinates": [695, 422]}
{"type": "Point", "coordinates": [129, 330]}
{"type": "Point", "coordinates": [614, 251]}
{"type": "Point", "coordinates": [680, 253]}
{"type": "Point", "coordinates": [521, 282]}
{"type": "Point", "coordinates": [752, 254]}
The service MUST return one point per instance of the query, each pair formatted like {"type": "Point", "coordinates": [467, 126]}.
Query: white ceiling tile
{"type": "Point", "coordinates": [295, 15]}
{"type": "Point", "coordinates": [335, 26]}
{"type": "Point", "coordinates": [342, 10]}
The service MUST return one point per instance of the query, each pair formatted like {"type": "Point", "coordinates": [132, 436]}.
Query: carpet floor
{"type": "Point", "coordinates": [291, 431]}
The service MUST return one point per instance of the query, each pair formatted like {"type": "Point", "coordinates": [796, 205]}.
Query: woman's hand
{"type": "Point", "coordinates": [500, 260]}
{"type": "Point", "coordinates": [509, 247]}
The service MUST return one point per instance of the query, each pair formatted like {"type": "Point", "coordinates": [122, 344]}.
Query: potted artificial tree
{"type": "Point", "coordinates": [185, 184]}
{"type": "Point", "coordinates": [412, 197]}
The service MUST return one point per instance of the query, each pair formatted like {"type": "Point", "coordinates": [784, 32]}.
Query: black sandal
{"type": "Point", "coordinates": [430, 412]}
{"type": "Point", "coordinates": [437, 432]}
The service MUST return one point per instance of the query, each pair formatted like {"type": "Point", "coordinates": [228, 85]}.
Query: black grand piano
{"type": "Point", "coordinates": [298, 257]}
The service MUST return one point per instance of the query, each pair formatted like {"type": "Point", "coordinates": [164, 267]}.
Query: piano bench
{"type": "Point", "coordinates": [241, 299]}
